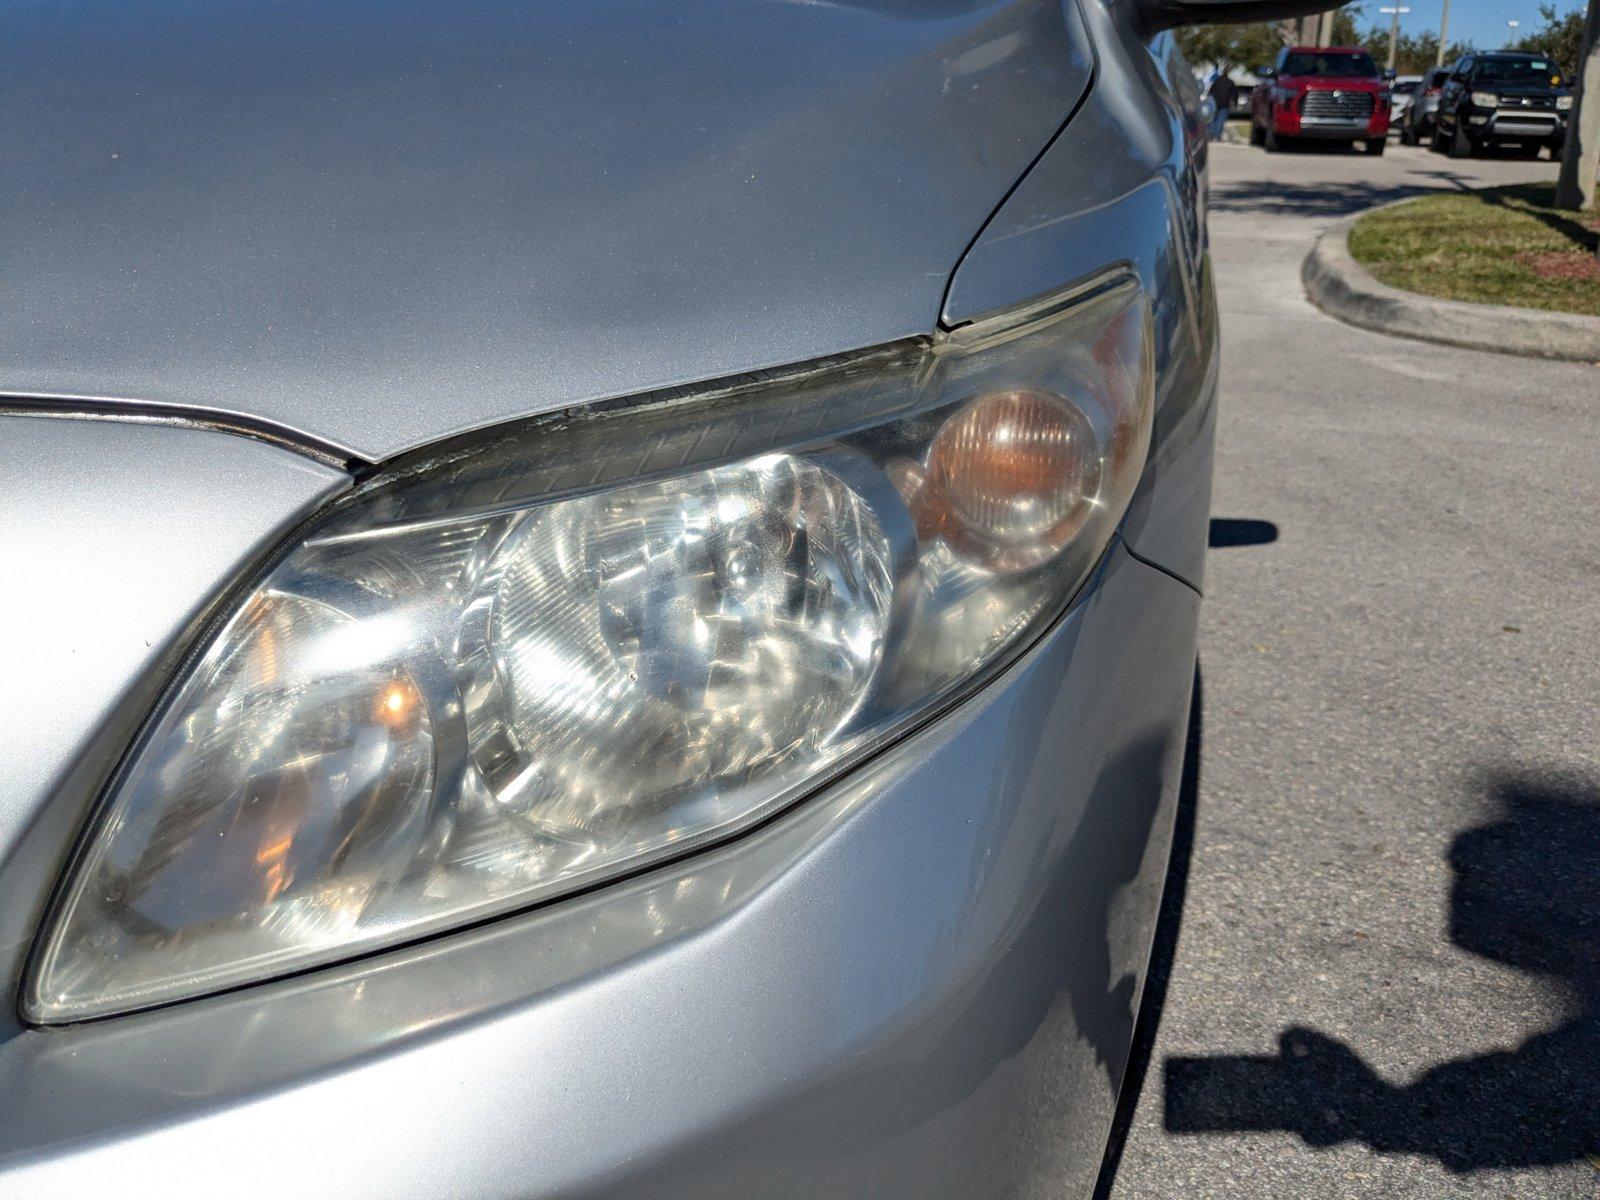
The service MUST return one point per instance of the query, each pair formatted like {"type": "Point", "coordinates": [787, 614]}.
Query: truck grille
{"type": "Point", "coordinates": [1527, 103]}
{"type": "Point", "coordinates": [1333, 105]}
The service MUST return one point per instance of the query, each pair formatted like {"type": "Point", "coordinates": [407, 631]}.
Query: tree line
{"type": "Point", "coordinates": [1245, 47]}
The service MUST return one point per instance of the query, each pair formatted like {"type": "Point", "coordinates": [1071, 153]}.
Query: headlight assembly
{"type": "Point", "coordinates": [1564, 103]}
{"type": "Point", "coordinates": [1485, 100]}
{"type": "Point", "coordinates": [517, 665]}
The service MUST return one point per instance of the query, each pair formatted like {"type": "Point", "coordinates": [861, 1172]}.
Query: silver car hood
{"type": "Point", "coordinates": [376, 224]}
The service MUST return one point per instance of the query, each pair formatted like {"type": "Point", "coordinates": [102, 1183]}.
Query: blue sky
{"type": "Point", "coordinates": [1483, 22]}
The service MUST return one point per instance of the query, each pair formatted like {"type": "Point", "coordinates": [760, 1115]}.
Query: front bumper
{"type": "Point", "coordinates": [1290, 123]}
{"type": "Point", "coordinates": [921, 983]}
{"type": "Point", "coordinates": [1340, 131]}
{"type": "Point", "coordinates": [1515, 125]}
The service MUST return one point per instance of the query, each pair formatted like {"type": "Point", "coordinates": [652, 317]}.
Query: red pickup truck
{"type": "Point", "coordinates": [1332, 94]}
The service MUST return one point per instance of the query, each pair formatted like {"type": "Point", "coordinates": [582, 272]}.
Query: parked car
{"type": "Point", "coordinates": [1417, 122]}
{"type": "Point", "coordinates": [1402, 90]}
{"type": "Point", "coordinates": [599, 603]}
{"type": "Point", "coordinates": [1503, 99]}
{"type": "Point", "coordinates": [1331, 95]}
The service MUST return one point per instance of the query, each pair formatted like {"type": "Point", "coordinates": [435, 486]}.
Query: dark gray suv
{"type": "Point", "coordinates": [1503, 99]}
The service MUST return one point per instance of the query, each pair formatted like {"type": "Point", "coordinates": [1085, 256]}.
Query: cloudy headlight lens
{"type": "Point", "coordinates": [1485, 99]}
{"type": "Point", "coordinates": [515, 666]}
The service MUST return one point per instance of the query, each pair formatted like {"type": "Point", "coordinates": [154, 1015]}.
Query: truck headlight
{"type": "Point", "coordinates": [511, 667]}
{"type": "Point", "coordinates": [1564, 103]}
{"type": "Point", "coordinates": [1485, 100]}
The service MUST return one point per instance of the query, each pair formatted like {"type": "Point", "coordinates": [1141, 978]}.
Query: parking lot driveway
{"type": "Point", "coordinates": [1386, 981]}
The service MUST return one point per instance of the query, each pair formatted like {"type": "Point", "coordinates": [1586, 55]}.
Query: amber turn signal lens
{"type": "Point", "coordinates": [1018, 471]}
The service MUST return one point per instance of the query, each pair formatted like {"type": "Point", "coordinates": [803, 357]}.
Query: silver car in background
{"type": "Point", "coordinates": [599, 600]}
{"type": "Point", "coordinates": [1420, 118]}
{"type": "Point", "coordinates": [1402, 93]}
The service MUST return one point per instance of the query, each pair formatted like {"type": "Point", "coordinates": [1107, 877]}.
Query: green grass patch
{"type": "Point", "coordinates": [1502, 245]}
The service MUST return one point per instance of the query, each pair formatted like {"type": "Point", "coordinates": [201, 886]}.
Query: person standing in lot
{"type": "Point", "coordinates": [1223, 92]}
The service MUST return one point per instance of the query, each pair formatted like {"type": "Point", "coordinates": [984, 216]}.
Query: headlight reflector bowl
{"type": "Point", "coordinates": [712, 627]}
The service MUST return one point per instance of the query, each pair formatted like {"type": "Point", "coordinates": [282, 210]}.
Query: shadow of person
{"type": "Point", "coordinates": [1526, 894]}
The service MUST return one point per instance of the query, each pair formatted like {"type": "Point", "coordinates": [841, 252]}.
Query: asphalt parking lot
{"type": "Point", "coordinates": [1386, 980]}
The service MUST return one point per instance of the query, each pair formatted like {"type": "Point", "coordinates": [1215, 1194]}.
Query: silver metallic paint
{"type": "Point", "coordinates": [922, 983]}
{"type": "Point", "coordinates": [919, 983]}
{"type": "Point", "coordinates": [382, 223]}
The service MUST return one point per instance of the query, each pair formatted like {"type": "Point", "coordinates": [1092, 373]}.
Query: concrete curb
{"type": "Point", "coordinates": [1341, 287]}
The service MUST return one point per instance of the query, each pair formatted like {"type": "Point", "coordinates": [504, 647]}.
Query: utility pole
{"type": "Point", "coordinates": [1580, 157]}
{"type": "Point", "coordinates": [1325, 28]}
{"type": "Point", "coordinates": [1315, 29]}
{"type": "Point", "coordinates": [1444, 28]}
{"type": "Point", "coordinates": [1394, 28]}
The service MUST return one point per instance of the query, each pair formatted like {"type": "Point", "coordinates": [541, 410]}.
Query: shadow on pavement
{"type": "Point", "coordinates": [1526, 894]}
{"type": "Point", "coordinates": [1240, 531]}
{"type": "Point", "coordinates": [1323, 198]}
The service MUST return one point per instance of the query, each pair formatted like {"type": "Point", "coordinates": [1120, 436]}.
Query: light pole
{"type": "Point", "coordinates": [1511, 30]}
{"type": "Point", "coordinates": [1394, 28]}
{"type": "Point", "coordinates": [1444, 26]}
